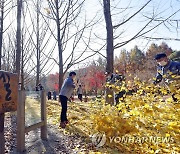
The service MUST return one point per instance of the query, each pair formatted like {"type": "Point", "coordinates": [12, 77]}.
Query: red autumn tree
{"type": "Point", "coordinates": [52, 82]}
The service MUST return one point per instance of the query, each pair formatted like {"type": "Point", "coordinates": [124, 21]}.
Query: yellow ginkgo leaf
{"type": "Point", "coordinates": [110, 96]}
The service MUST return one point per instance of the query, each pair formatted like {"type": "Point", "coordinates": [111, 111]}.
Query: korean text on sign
{"type": "Point", "coordinates": [8, 91]}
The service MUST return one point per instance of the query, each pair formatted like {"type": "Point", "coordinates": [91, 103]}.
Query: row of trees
{"type": "Point", "coordinates": [138, 63]}
{"type": "Point", "coordinates": [131, 64]}
{"type": "Point", "coordinates": [44, 30]}
{"type": "Point", "coordinates": [36, 35]}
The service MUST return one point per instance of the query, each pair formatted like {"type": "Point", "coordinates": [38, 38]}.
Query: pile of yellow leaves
{"type": "Point", "coordinates": [146, 122]}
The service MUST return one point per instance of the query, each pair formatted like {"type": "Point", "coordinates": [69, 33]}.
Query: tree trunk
{"type": "Point", "coordinates": [109, 48]}
{"type": "Point", "coordinates": [109, 29]}
{"type": "Point", "coordinates": [22, 67]}
{"type": "Point", "coordinates": [18, 37]}
{"type": "Point", "coordinates": [61, 75]}
{"type": "Point", "coordinates": [37, 48]}
{"type": "Point", "coordinates": [1, 30]}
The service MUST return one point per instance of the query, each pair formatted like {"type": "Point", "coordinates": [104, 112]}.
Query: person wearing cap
{"type": "Point", "coordinates": [167, 70]}
{"type": "Point", "coordinates": [65, 93]}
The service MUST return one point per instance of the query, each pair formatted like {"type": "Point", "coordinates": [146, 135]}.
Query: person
{"type": "Point", "coordinates": [65, 93]}
{"type": "Point", "coordinates": [79, 92]}
{"type": "Point", "coordinates": [166, 69]}
{"type": "Point", "coordinates": [54, 95]}
{"type": "Point", "coordinates": [113, 79]}
{"type": "Point", "coordinates": [49, 95]}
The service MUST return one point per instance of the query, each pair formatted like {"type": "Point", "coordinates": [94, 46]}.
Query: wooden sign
{"type": "Point", "coordinates": [8, 91]}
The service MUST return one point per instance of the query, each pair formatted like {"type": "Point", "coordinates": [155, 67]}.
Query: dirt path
{"type": "Point", "coordinates": [74, 139]}
{"type": "Point", "coordinates": [58, 141]}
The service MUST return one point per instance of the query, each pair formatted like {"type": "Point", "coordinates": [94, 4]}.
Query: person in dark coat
{"type": "Point", "coordinates": [167, 70]}
{"type": "Point", "coordinates": [49, 95]}
{"type": "Point", "coordinates": [54, 95]}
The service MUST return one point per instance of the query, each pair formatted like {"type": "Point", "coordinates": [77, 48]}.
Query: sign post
{"type": "Point", "coordinates": [8, 100]}
{"type": "Point", "coordinates": [2, 140]}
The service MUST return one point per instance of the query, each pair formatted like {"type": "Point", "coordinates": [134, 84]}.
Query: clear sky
{"type": "Point", "coordinates": [160, 8]}
{"type": "Point", "coordinates": [122, 10]}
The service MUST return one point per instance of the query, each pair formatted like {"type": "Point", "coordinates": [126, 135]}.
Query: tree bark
{"type": "Point", "coordinates": [109, 48]}
{"type": "Point", "coordinates": [1, 30]}
{"type": "Point", "coordinates": [22, 66]}
{"type": "Point", "coordinates": [18, 38]}
{"type": "Point", "coordinates": [109, 29]}
{"type": "Point", "coordinates": [37, 47]}
{"type": "Point", "coordinates": [59, 47]}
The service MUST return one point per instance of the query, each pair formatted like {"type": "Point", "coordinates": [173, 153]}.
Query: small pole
{"type": "Point", "coordinates": [21, 122]}
{"type": "Point", "coordinates": [2, 140]}
{"type": "Point", "coordinates": [43, 116]}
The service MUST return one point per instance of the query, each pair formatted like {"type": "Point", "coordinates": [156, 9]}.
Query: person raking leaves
{"type": "Point", "coordinates": [65, 93]}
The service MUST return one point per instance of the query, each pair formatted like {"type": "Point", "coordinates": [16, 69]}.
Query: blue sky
{"type": "Point", "coordinates": [124, 9]}
{"type": "Point", "coordinates": [161, 8]}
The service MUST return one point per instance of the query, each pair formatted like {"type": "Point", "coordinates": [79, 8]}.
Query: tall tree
{"type": "Point", "coordinates": [18, 37]}
{"type": "Point", "coordinates": [123, 61]}
{"type": "Point", "coordinates": [1, 28]}
{"type": "Point", "coordinates": [115, 30]}
{"type": "Point", "coordinates": [137, 58]}
{"type": "Point", "coordinates": [37, 43]}
{"type": "Point", "coordinates": [70, 33]}
{"type": "Point", "coordinates": [36, 47]}
{"type": "Point", "coordinates": [59, 39]}
{"type": "Point", "coordinates": [109, 47]}
{"type": "Point", "coordinates": [109, 31]}
{"type": "Point", "coordinates": [118, 18]}
{"type": "Point", "coordinates": [136, 55]}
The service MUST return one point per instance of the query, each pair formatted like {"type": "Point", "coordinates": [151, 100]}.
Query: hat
{"type": "Point", "coordinates": [160, 55]}
{"type": "Point", "coordinates": [72, 73]}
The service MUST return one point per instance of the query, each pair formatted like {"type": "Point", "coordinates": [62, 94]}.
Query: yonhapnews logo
{"type": "Point", "coordinates": [99, 139]}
